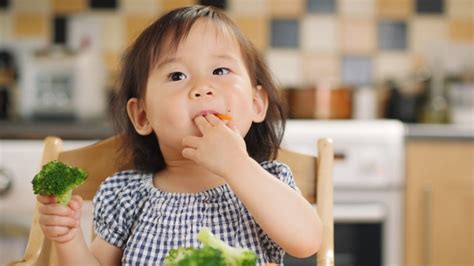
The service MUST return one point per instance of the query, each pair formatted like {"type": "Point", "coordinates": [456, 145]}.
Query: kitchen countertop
{"type": "Point", "coordinates": [99, 129]}
{"type": "Point", "coordinates": [77, 130]}
{"type": "Point", "coordinates": [439, 131]}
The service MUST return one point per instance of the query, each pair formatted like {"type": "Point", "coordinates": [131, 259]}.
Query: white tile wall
{"type": "Point", "coordinates": [425, 32]}
{"type": "Point", "coordinates": [460, 9]}
{"type": "Point", "coordinates": [5, 26]}
{"type": "Point", "coordinates": [357, 8]}
{"type": "Point", "coordinates": [248, 7]}
{"type": "Point", "coordinates": [320, 34]}
{"type": "Point", "coordinates": [140, 6]}
{"type": "Point", "coordinates": [358, 36]}
{"type": "Point", "coordinates": [286, 66]}
{"type": "Point", "coordinates": [36, 6]}
{"type": "Point", "coordinates": [112, 33]}
{"type": "Point", "coordinates": [318, 67]}
{"type": "Point", "coordinates": [396, 65]}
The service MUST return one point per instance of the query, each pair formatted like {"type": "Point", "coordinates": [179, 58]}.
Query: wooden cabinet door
{"type": "Point", "coordinates": [439, 203]}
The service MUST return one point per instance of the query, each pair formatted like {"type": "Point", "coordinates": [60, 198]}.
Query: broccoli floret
{"type": "Point", "coordinates": [194, 257]}
{"type": "Point", "coordinates": [233, 256]}
{"type": "Point", "coordinates": [175, 256]}
{"type": "Point", "coordinates": [214, 252]}
{"type": "Point", "coordinates": [59, 180]}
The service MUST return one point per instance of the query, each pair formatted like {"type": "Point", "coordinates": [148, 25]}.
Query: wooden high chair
{"type": "Point", "coordinates": [313, 177]}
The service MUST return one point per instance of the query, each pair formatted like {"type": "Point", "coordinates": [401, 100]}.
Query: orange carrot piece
{"type": "Point", "coordinates": [224, 117]}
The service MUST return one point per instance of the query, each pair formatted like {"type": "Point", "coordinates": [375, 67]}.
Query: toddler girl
{"type": "Point", "coordinates": [202, 123]}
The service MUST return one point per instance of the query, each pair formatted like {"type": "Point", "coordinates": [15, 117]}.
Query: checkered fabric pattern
{"type": "Point", "coordinates": [132, 214]}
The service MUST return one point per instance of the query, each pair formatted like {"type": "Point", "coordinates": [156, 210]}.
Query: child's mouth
{"type": "Point", "coordinates": [223, 117]}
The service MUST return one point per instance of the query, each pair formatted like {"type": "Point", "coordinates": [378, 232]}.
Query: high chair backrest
{"type": "Point", "coordinates": [313, 176]}
{"type": "Point", "coordinates": [99, 160]}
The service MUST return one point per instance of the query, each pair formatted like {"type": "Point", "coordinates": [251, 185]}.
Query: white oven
{"type": "Point", "coordinates": [368, 187]}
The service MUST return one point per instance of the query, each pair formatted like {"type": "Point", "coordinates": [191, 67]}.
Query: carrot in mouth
{"type": "Point", "coordinates": [224, 117]}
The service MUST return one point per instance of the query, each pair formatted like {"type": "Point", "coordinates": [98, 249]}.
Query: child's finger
{"type": "Point", "coordinates": [233, 127]}
{"type": "Point", "coordinates": [189, 153]}
{"type": "Point", "coordinates": [55, 209]}
{"type": "Point", "coordinates": [55, 230]}
{"type": "Point", "coordinates": [75, 203]}
{"type": "Point", "coordinates": [214, 120]}
{"type": "Point", "coordinates": [190, 141]}
{"type": "Point", "coordinates": [46, 199]}
{"type": "Point", "coordinates": [66, 237]}
{"type": "Point", "coordinates": [55, 220]}
{"type": "Point", "coordinates": [77, 215]}
{"type": "Point", "coordinates": [202, 124]}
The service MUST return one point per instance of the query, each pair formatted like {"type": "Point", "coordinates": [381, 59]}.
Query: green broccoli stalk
{"type": "Point", "coordinates": [233, 256]}
{"type": "Point", "coordinates": [59, 180]}
{"type": "Point", "coordinates": [214, 252]}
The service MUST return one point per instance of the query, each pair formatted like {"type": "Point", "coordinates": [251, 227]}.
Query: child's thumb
{"type": "Point", "coordinates": [76, 202]}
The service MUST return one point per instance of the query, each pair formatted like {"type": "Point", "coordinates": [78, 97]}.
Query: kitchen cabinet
{"type": "Point", "coordinates": [439, 202]}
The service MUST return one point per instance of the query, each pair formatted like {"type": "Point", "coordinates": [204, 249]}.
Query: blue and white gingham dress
{"type": "Point", "coordinates": [132, 214]}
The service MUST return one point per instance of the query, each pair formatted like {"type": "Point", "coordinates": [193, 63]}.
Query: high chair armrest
{"type": "Point", "coordinates": [38, 250]}
{"type": "Point", "coordinates": [326, 259]}
{"type": "Point", "coordinates": [38, 245]}
{"type": "Point", "coordinates": [35, 243]}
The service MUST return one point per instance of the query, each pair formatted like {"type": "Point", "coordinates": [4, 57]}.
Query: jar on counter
{"type": "Point", "coordinates": [7, 79]}
{"type": "Point", "coordinates": [320, 102]}
{"type": "Point", "coordinates": [333, 102]}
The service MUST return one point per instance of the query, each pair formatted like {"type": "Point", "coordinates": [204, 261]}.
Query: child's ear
{"type": "Point", "coordinates": [137, 114]}
{"type": "Point", "coordinates": [260, 104]}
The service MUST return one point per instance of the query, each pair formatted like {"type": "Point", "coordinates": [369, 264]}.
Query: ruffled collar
{"type": "Point", "coordinates": [215, 194]}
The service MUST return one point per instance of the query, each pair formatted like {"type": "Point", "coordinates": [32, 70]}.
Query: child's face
{"type": "Point", "coordinates": [206, 74]}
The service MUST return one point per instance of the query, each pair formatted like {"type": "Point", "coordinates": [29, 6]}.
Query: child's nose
{"type": "Point", "coordinates": [202, 91]}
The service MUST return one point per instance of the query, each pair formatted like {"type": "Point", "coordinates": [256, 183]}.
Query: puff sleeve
{"type": "Point", "coordinates": [280, 171]}
{"type": "Point", "coordinates": [115, 205]}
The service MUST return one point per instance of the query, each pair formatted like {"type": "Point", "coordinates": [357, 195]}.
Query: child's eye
{"type": "Point", "coordinates": [176, 76]}
{"type": "Point", "coordinates": [221, 71]}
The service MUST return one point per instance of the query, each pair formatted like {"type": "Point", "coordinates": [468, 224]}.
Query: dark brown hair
{"type": "Point", "coordinates": [262, 140]}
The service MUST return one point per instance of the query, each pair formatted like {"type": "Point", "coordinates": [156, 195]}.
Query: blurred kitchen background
{"type": "Point", "coordinates": [391, 81]}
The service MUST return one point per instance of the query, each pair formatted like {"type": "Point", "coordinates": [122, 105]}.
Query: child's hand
{"type": "Point", "coordinates": [59, 223]}
{"type": "Point", "coordinates": [220, 146]}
